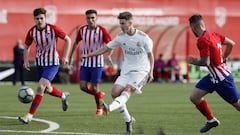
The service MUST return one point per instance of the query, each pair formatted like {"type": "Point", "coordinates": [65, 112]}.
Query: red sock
{"type": "Point", "coordinates": [56, 92]}
{"type": "Point", "coordinates": [99, 95]}
{"type": "Point", "coordinates": [36, 102]}
{"type": "Point", "coordinates": [90, 90]}
{"type": "Point", "coordinates": [205, 110]}
{"type": "Point", "coordinates": [97, 101]}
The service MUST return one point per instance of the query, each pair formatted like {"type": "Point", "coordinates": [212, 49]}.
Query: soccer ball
{"type": "Point", "coordinates": [25, 94]}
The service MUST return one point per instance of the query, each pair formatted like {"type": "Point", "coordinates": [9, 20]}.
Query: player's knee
{"type": "Point", "coordinates": [41, 89]}
{"type": "Point", "coordinates": [237, 106]}
{"type": "Point", "coordinates": [114, 95]}
{"type": "Point", "coordinates": [194, 99]}
{"type": "Point", "coordinates": [129, 89]}
{"type": "Point", "coordinates": [191, 98]}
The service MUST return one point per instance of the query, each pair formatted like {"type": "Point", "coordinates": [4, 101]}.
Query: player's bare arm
{"type": "Point", "coordinates": [203, 61]}
{"type": "Point", "coordinates": [109, 58]}
{"type": "Point", "coordinates": [151, 60]}
{"type": "Point", "coordinates": [25, 55]}
{"type": "Point", "coordinates": [75, 45]}
{"type": "Point", "coordinates": [98, 52]}
{"type": "Point", "coordinates": [229, 45]}
{"type": "Point", "coordinates": [66, 50]}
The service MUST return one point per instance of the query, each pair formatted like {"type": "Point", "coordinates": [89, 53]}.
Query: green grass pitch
{"type": "Point", "coordinates": [161, 106]}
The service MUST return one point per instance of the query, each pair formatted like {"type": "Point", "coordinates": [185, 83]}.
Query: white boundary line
{"type": "Point", "coordinates": [52, 126]}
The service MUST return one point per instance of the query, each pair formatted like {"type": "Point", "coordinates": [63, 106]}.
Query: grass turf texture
{"type": "Point", "coordinates": [161, 106]}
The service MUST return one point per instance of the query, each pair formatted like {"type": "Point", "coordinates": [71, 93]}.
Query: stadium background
{"type": "Point", "coordinates": [166, 21]}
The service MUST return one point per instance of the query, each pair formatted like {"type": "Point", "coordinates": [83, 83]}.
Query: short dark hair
{"type": "Point", "coordinates": [91, 11]}
{"type": "Point", "coordinates": [39, 11]}
{"type": "Point", "coordinates": [195, 18]}
{"type": "Point", "coordinates": [125, 15]}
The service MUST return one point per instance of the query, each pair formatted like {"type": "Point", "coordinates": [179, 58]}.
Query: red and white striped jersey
{"type": "Point", "coordinates": [46, 44]}
{"type": "Point", "coordinates": [210, 44]}
{"type": "Point", "coordinates": [92, 40]}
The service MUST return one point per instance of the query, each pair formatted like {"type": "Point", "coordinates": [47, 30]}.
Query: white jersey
{"type": "Point", "coordinates": [135, 50]}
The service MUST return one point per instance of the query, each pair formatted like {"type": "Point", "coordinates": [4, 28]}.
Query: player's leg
{"type": "Point", "coordinates": [49, 74]}
{"type": "Point", "coordinates": [125, 93]}
{"type": "Point", "coordinates": [116, 92]}
{"type": "Point", "coordinates": [98, 95]}
{"type": "Point", "coordinates": [203, 87]}
{"type": "Point", "coordinates": [129, 120]}
{"type": "Point", "coordinates": [54, 91]}
{"type": "Point", "coordinates": [37, 99]}
{"type": "Point", "coordinates": [35, 103]}
{"type": "Point", "coordinates": [228, 90]}
{"type": "Point", "coordinates": [96, 77]}
{"type": "Point", "coordinates": [237, 105]}
{"type": "Point", "coordinates": [124, 86]}
{"type": "Point", "coordinates": [139, 79]}
{"type": "Point", "coordinates": [196, 98]}
{"type": "Point", "coordinates": [84, 79]}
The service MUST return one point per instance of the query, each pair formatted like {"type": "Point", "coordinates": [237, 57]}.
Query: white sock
{"type": "Point", "coordinates": [212, 120]}
{"type": "Point", "coordinates": [63, 96]}
{"type": "Point", "coordinates": [30, 116]}
{"type": "Point", "coordinates": [119, 101]}
{"type": "Point", "coordinates": [124, 112]}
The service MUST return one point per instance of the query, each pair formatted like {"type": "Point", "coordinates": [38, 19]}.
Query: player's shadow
{"type": "Point", "coordinates": [160, 131]}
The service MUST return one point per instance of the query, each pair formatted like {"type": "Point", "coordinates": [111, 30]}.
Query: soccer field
{"type": "Point", "coordinates": [161, 106]}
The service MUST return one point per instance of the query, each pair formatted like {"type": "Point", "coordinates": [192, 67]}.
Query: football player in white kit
{"type": "Point", "coordinates": [137, 68]}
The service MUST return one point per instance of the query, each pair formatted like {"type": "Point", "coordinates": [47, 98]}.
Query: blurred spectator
{"type": "Point", "coordinates": [173, 70]}
{"type": "Point", "coordinates": [18, 63]}
{"type": "Point", "coordinates": [159, 69]}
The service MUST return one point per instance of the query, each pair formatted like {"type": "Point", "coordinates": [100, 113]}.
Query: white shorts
{"type": "Point", "coordinates": [134, 78]}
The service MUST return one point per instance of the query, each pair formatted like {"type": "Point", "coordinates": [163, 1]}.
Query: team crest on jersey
{"type": "Point", "coordinates": [138, 44]}
{"type": "Point", "coordinates": [95, 35]}
{"type": "Point", "coordinates": [47, 34]}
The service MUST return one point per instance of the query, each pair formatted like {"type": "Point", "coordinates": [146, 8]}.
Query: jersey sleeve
{"type": "Point", "coordinates": [29, 39]}
{"type": "Point", "coordinates": [148, 44]}
{"type": "Point", "coordinates": [203, 48]}
{"type": "Point", "coordinates": [222, 38]}
{"type": "Point", "coordinates": [78, 36]}
{"type": "Point", "coordinates": [60, 33]}
{"type": "Point", "coordinates": [114, 43]}
{"type": "Point", "coordinates": [106, 36]}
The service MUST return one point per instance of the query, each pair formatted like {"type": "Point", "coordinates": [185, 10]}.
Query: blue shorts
{"type": "Point", "coordinates": [226, 88]}
{"type": "Point", "coordinates": [91, 74]}
{"type": "Point", "coordinates": [47, 72]}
